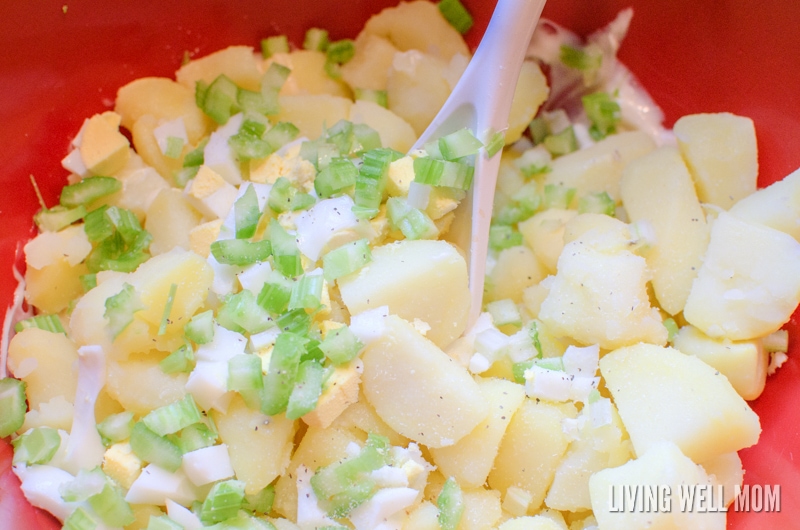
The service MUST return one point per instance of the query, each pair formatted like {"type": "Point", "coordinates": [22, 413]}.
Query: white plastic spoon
{"type": "Point", "coordinates": [481, 101]}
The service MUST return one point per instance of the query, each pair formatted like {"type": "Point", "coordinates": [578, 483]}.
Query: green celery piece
{"type": "Point", "coordinates": [223, 502]}
{"type": "Point", "coordinates": [437, 172]}
{"type": "Point", "coordinates": [120, 309]}
{"type": "Point", "coordinates": [451, 505]}
{"type": "Point", "coordinates": [285, 254]}
{"type": "Point", "coordinates": [413, 223]}
{"type": "Point", "coordinates": [558, 196]}
{"type": "Point", "coordinates": [272, 45]}
{"type": "Point", "coordinates": [240, 252]}
{"type": "Point", "coordinates": [518, 370]}
{"type": "Point", "coordinates": [284, 364]}
{"type": "Point", "coordinates": [172, 418]}
{"type": "Point", "coordinates": [579, 59]}
{"type": "Point", "coordinates": [275, 294]}
{"type": "Point", "coordinates": [280, 134]}
{"type": "Point", "coordinates": [162, 328]}
{"type": "Point", "coordinates": [220, 99]}
{"type": "Point", "coordinates": [339, 175]}
{"type": "Point", "coordinates": [341, 51]}
{"type": "Point", "coordinates": [244, 372]}
{"type": "Point", "coordinates": [111, 507]}
{"type": "Point", "coordinates": [155, 449]}
{"type": "Point", "coordinates": [341, 345]}
{"type": "Point", "coordinates": [375, 96]}
{"type": "Point", "coordinates": [294, 321]}
{"type": "Point", "coordinates": [240, 312]}
{"type": "Point", "coordinates": [599, 202]}
{"type": "Point", "coordinates": [316, 39]}
{"type": "Point", "coordinates": [196, 157]}
{"type": "Point", "coordinates": [503, 236]}
{"type": "Point", "coordinates": [194, 437]}
{"type": "Point", "coordinates": [306, 292]}
{"type": "Point", "coordinates": [116, 427]}
{"type": "Point", "coordinates": [261, 502]}
{"type": "Point", "coordinates": [200, 329]}
{"type": "Point", "coordinates": [80, 519]}
{"type": "Point", "coordinates": [307, 389]}
{"type": "Point", "coordinates": [37, 446]}
{"type": "Point", "coordinates": [162, 522]}
{"type": "Point", "coordinates": [97, 226]}
{"type": "Point", "coordinates": [284, 197]}
{"type": "Point", "coordinates": [538, 130]}
{"type": "Point", "coordinates": [459, 144]}
{"type": "Point", "coordinates": [88, 190]}
{"type": "Point", "coordinates": [49, 323]}
{"type": "Point", "coordinates": [365, 138]}
{"type": "Point", "coordinates": [58, 217]}
{"type": "Point", "coordinates": [456, 14]}
{"type": "Point", "coordinates": [346, 259]}
{"type": "Point", "coordinates": [562, 143]}
{"type": "Point", "coordinates": [603, 112]}
{"type": "Point", "coordinates": [246, 213]}
{"type": "Point", "coordinates": [371, 181]}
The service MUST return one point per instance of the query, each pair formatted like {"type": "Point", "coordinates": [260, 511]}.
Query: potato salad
{"type": "Point", "coordinates": [243, 317]}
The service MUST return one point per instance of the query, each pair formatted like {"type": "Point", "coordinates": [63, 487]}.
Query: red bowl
{"type": "Point", "coordinates": [61, 62]}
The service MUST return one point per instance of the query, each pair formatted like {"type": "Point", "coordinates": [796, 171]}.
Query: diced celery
{"type": "Point", "coordinates": [371, 181]}
{"type": "Point", "coordinates": [316, 39]}
{"type": "Point", "coordinates": [365, 138]}
{"type": "Point", "coordinates": [58, 217]}
{"type": "Point", "coordinates": [550, 363]}
{"type": "Point", "coordinates": [240, 312]}
{"type": "Point", "coordinates": [495, 141]}
{"type": "Point", "coordinates": [97, 226]}
{"type": "Point", "coordinates": [436, 172]}
{"type": "Point", "coordinates": [88, 281]}
{"type": "Point", "coordinates": [295, 321]}
{"type": "Point", "coordinates": [413, 223]}
{"type": "Point", "coordinates": [240, 252]}
{"type": "Point", "coordinates": [280, 134]}
{"type": "Point", "coordinates": [86, 483]}
{"type": "Point", "coordinates": [599, 202]}
{"type": "Point", "coordinates": [116, 427]}
{"type": "Point", "coordinates": [538, 130]}
{"type": "Point", "coordinates": [672, 329]}
{"type": "Point", "coordinates": [36, 446]}
{"type": "Point", "coordinates": [49, 323]}
{"type": "Point", "coordinates": [340, 51]}
{"type": "Point", "coordinates": [375, 96]}
{"type": "Point", "coordinates": [88, 190]}
{"type": "Point", "coordinates": [562, 143]}
{"type": "Point", "coordinates": [603, 112]}
{"type": "Point", "coordinates": [456, 14]}
{"type": "Point", "coordinates": [533, 330]}
{"type": "Point", "coordinates": [306, 391]}
{"type": "Point", "coordinates": [275, 294]}
{"type": "Point", "coordinates": [283, 366]}
{"type": "Point", "coordinates": [200, 329]}
{"type": "Point", "coordinates": [284, 197]}
{"type": "Point", "coordinates": [459, 144]}
{"type": "Point", "coordinates": [247, 146]}
{"type": "Point", "coordinates": [223, 502]}
{"type": "Point", "coordinates": [111, 507]}
{"type": "Point", "coordinates": [503, 236]}
{"type": "Point", "coordinates": [339, 175]}
{"type": "Point", "coordinates": [244, 372]}
{"type": "Point", "coordinates": [162, 328]}
{"type": "Point", "coordinates": [306, 292]}
{"type": "Point", "coordinates": [261, 502]}
{"type": "Point", "coordinates": [155, 449]}
{"type": "Point", "coordinates": [271, 83]}
{"type": "Point", "coordinates": [518, 370]}
{"type": "Point", "coordinates": [246, 213]}
{"type": "Point", "coordinates": [346, 259]}
{"type": "Point", "coordinates": [451, 505]}
{"type": "Point", "coordinates": [219, 100]}
{"type": "Point", "coordinates": [194, 437]}
{"type": "Point", "coordinates": [80, 519]}
{"type": "Point", "coordinates": [120, 309]}
{"type": "Point", "coordinates": [557, 196]}
{"type": "Point", "coordinates": [272, 45]}
{"type": "Point", "coordinates": [579, 59]}
{"type": "Point", "coordinates": [162, 522]}
{"type": "Point", "coordinates": [285, 253]}
{"type": "Point", "coordinates": [173, 417]}
{"type": "Point", "coordinates": [341, 345]}
{"type": "Point", "coordinates": [195, 157]}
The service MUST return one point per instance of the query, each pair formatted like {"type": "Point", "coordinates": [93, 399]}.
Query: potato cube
{"type": "Point", "coordinates": [471, 459]}
{"type": "Point", "coordinates": [658, 189]}
{"type": "Point", "coordinates": [139, 385]}
{"type": "Point", "coordinates": [417, 389]}
{"type": "Point", "coordinates": [599, 295]}
{"type": "Point", "coordinates": [776, 206]}
{"type": "Point", "coordinates": [517, 268]}
{"type": "Point", "coordinates": [170, 219]}
{"type": "Point", "coordinates": [744, 363]}
{"type": "Point", "coordinates": [370, 65]}
{"type": "Point", "coordinates": [308, 75]}
{"type": "Point", "coordinates": [421, 279]}
{"type": "Point", "coordinates": [531, 91]}
{"type": "Point", "coordinates": [661, 468]}
{"type": "Point", "coordinates": [147, 147]}
{"type": "Point", "coordinates": [164, 99]}
{"type": "Point", "coordinates": [721, 152]}
{"type": "Point", "coordinates": [599, 167]}
{"type": "Point", "coordinates": [417, 88]}
{"type": "Point", "coordinates": [749, 283]}
{"type": "Point", "coordinates": [482, 509]}
{"type": "Point", "coordinates": [239, 63]}
{"type": "Point", "coordinates": [52, 288]}
{"type": "Point", "coordinates": [248, 433]}
{"type": "Point", "coordinates": [544, 233]}
{"type": "Point", "coordinates": [47, 362]}
{"type": "Point", "coordinates": [311, 113]}
{"type": "Point", "coordinates": [531, 449]}
{"type": "Point", "coordinates": [726, 470]}
{"type": "Point", "coordinates": [417, 26]}
{"type": "Point", "coordinates": [663, 394]}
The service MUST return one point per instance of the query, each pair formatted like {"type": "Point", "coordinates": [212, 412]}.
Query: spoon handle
{"type": "Point", "coordinates": [480, 101]}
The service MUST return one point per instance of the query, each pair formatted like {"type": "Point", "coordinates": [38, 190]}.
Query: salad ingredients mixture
{"type": "Point", "coordinates": [243, 320]}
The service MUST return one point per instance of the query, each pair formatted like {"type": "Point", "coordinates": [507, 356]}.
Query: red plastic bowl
{"type": "Point", "coordinates": [63, 61]}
